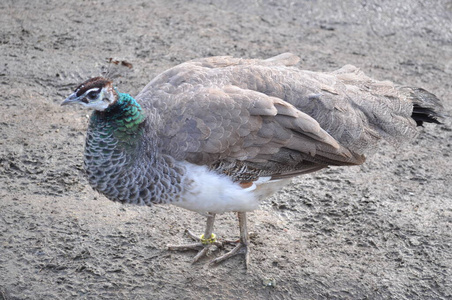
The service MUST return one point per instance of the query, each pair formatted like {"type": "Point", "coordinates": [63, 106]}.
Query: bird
{"type": "Point", "coordinates": [220, 134]}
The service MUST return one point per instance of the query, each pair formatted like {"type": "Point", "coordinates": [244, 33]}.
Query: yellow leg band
{"type": "Point", "coordinates": [211, 240]}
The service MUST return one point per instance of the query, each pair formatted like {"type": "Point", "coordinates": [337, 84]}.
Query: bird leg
{"type": "Point", "coordinates": [243, 244]}
{"type": "Point", "coordinates": [203, 243]}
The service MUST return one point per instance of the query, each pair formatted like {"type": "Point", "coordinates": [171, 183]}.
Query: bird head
{"type": "Point", "coordinates": [96, 93]}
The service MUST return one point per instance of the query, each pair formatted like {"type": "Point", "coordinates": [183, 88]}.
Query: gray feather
{"type": "Point", "coordinates": [251, 118]}
{"type": "Point", "coordinates": [255, 111]}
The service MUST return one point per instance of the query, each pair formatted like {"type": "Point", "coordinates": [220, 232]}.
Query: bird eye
{"type": "Point", "coordinates": [92, 95]}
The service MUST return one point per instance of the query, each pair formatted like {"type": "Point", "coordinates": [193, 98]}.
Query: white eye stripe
{"type": "Point", "coordinates": [97, 90]}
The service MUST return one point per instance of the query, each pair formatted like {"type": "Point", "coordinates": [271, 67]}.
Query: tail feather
{"type": "Point", "coordinates": [426, 107]}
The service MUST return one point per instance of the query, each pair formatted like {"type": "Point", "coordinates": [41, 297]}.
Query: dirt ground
{"type": "Point", "coordinates": [379, 231]}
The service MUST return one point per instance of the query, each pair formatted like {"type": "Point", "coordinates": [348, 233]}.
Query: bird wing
{"type": "Point", "coordinates": [263, 116]}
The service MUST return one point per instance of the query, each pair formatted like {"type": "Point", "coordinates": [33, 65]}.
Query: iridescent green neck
{"type": "Point", "coordinates": [127, 113]}
{"type": "Point", "coordinates": [125, 118]}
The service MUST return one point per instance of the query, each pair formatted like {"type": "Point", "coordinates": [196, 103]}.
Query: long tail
{"type": "Point", "coordinates": [426, 107]}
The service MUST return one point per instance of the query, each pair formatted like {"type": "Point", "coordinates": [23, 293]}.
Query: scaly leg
{"type": "Point", "coordinates": [203, 244]}
{"type": "Point", "coordinates": [242, 246]}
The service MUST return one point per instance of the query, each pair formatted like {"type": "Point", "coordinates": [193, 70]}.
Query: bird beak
{"type": "Point", "coordinates": [71, 99]}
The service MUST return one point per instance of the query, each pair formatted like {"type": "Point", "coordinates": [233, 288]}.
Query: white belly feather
{"type": "Point", "coordinates": [207, 191]}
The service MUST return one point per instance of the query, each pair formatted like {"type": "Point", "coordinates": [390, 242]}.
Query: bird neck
{"type": "Point", "coordinates": [125, 116]}
{"type": "Point", "coordinates": [122, 160]}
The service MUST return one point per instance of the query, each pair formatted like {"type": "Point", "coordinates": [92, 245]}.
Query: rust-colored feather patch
{"type": "Point", "coordinates": [246, 184]}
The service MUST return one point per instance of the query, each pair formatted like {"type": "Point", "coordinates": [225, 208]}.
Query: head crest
{"type": "Point", "coordinates": [96, 82]}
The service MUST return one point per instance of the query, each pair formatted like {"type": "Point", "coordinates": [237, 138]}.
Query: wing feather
{"type": "Point", "coordinates": [270, 118]}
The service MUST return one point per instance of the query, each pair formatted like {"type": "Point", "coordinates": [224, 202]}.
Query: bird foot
{"type": "Point", "coordinates": [240, 248]}
{"type": "Point", "coordinates": [205, 246]}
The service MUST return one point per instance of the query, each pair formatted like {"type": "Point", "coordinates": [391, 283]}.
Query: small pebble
{"type": "Point", "coordinates": [269, 282]}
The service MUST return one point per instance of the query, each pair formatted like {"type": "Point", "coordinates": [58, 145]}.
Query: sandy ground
{"type": "Point", "coordinates": [379, 231]}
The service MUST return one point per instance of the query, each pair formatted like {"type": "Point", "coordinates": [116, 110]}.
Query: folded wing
{"type": "Point", "coordinates": [251, 118]}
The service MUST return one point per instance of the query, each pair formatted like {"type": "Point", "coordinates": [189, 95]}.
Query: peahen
{"type": "Point", "coordinates": [218, 134]}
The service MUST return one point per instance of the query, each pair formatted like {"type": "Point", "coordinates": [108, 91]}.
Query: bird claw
{"type": "Point", "coordinates": [203, 245]}
{"type": "Point", "coordinates": [186, 247]}
{"type": "Point", "coordinates": [240, 248]}
{"type": "Point", "coordinates": [207, 246]}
